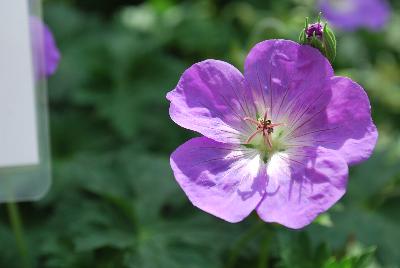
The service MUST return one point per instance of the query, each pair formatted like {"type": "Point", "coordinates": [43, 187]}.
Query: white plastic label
{"type": "Point", "coordinates": [18, 126]}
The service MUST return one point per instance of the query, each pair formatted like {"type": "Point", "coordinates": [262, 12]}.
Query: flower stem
{"type": "Point", "coordinates": [16, 224]}
{"type": "Point", "coordinates": [264, 252]}
{"type": "Point", "coordinates": [246, 237]}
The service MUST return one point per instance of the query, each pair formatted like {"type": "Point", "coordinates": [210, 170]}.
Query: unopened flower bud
{"type": "Point", "coordinates": [320, 36]}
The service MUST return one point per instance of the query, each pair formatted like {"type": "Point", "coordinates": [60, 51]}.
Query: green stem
{"type": "Point", "coordinates": [16, 224]}
{"type": "Point", "coordinates": [264, 252]}
{"type": "Point", "coordinates": [246, 237]}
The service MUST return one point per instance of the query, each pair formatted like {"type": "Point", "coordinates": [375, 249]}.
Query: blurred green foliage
{"type": "Point", "coordinates": [114, 201]}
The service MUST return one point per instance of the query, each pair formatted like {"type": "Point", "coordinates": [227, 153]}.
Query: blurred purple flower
{"type": "Point", "coordinates": [46, 55]}
{"type": "Point", "coordinates": [277, 140]}
{"type": "Point", "coordinates": [353, 14]}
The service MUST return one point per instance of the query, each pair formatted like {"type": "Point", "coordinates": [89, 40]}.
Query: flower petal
{"type": "Point", "coordinates": [46, 55]}
{"type": "Point", "coordinates": [52, 54]}
{"type": "Point", "coordinates": [225, 180]}
{"type": "Point", "coordinates": [309, 186]}
{"type": "Point", "coordinates": [339, 120]}
{"type": "Point", "coordinates": [346, 124]}
{"type": "Point", "coordinates": [211, 99]}
{"type": "Point", "coordinates": [280, 72]}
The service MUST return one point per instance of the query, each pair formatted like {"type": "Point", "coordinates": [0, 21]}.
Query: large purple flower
{"type": "Point", "coordinates": [277, 140]}
{"type": "Point", "coordinates": [46, 55]}
{"type": "Point", "coordinates": [352, 14]}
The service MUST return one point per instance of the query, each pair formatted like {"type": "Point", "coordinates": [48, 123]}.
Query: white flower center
{"type": "Point", "coordinates": [268, 136]}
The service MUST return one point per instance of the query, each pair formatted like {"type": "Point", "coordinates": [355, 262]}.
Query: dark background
{"type": "Point", "coordinates": [114, 201]}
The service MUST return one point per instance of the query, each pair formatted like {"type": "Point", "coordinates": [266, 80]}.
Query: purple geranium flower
{"type": "Point", "coordinates": [277, 140]}
{"type": "Point", "coordinates": [46, 55]}
{"type": "Point", "coordinates": [352, 14]}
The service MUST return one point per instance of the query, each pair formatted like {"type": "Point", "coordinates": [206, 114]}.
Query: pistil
{"type": "Point", "coordinates": [264, 126]}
